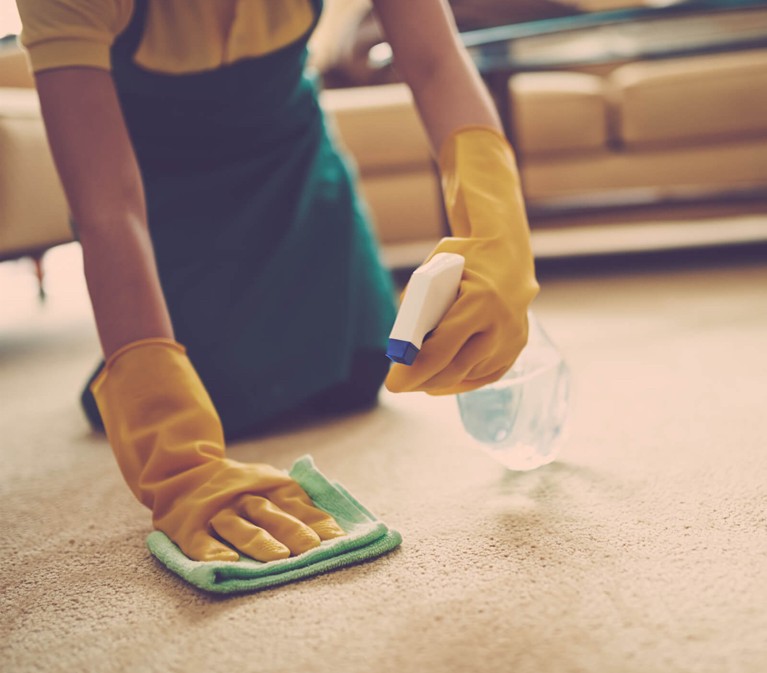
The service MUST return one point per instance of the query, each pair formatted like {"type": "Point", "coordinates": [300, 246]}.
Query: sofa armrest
{"type": "Point", "coordinates": [33, 211]}
{"type": "Point", "coordinates": [14, 69]}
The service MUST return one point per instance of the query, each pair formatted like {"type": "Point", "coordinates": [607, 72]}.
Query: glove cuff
{"type": "Point", "coordinates": [481, 185]}
{"type": "Point", "coordinates": [141, 343]}
{"type": "Point", "coordinates": [158, 416]}
{"type": "Point", "coordinates": [446, 156]}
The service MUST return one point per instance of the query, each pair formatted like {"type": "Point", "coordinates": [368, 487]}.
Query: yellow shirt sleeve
{"type": "Point", "coordinates": [180, 36]}
{"type": "Point", "coordinates": [183, 36]}
{"type": "Point", "coordinates": [61, 33]}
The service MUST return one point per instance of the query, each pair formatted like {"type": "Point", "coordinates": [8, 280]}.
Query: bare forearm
{"type": "Point", "coordinates": [124, 287]}
{"type": "Point", "coordinates": [451, 96]}
{"type": "Point", "coordinates": [428, 54]}
{"type": "Point", "coordinates": [103, 184]}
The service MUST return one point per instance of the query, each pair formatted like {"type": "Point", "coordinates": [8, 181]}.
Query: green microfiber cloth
{"type": "Point", "coordinates": [367, 538]}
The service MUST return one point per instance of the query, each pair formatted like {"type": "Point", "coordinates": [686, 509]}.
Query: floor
{"type": "Point", "coordinates": [642, 549]}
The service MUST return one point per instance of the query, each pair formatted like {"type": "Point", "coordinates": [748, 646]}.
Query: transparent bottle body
{"type": "Point", "coordinates": [519, 420]}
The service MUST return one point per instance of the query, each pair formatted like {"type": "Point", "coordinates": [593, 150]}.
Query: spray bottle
{"type": "Point", "coordinates": [518, 420]}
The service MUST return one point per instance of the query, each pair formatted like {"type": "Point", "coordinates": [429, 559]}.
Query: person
{"type": "Point", "coordinates": [229, 261]}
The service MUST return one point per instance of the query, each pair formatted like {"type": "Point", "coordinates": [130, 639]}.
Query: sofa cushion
{"type": "Point", "coordinates": [714, 167]}
{"type": "Point", "coordinates": [558, 112]}
{"type": "Point", "coordinates": [720, 96]}
{"type": "Point", "coordinates": [379, 125]}
{"type": "Point", "coordinates": [405, 206]}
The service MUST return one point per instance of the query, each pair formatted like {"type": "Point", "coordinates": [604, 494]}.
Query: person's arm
{"type": "Point", "coordinates": [164, 430]}
{"type": "Point", "coordinates": [484, 331]}
{"type": "Point", "coordinates": [428, 54]}
{"type": "Point", "coordinates": [98, 170]}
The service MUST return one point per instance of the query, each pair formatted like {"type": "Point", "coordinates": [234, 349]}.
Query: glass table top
{"type": "Point", "coordinates": [683, 28]}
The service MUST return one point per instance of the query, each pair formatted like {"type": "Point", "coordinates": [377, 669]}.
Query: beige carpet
{"type": "Point", "coordinates": [644, 549]}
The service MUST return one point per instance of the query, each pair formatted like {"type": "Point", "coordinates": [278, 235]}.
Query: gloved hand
{"type": "Point", "coordinates": [169, 444]}
{"type": "Point", "coordinates": [484, 331]}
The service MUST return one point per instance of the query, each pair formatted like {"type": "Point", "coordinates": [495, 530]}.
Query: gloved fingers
{"type": "Point", "coordinates": [455, 379]}
{"type": "Point", "coordinates": [492, 377]}
{"type": "Point", "coordinates": [493, 353]}
{"type": "Point", "coordinates": [493, 367]}
{"type": "Point", "coordinates": [290, 531]}
{"type": "Point", "coordinates": [249, 539]}
{"type": "Point", "coordinates": [204, 547]}
{"type": "Point", "coordinates": [469, 383]}
{"type": "Point", "coordinates": [474, 344]}
{"type": "Point", "coordinates": [457, 327]}
{"type": "Point", "coordinates": [472, 355]}
{"type": "Point", "coordinates": [294, 500]}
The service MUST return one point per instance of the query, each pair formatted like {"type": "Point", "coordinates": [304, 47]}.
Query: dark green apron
{"type": "Point", "coordinates": [265, 254]}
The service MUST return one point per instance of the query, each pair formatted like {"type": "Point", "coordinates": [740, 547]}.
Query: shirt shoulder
{"type": "Point", "coordinates": [61, 33]}
{"type": "Point", "coordinates": [183, 36]}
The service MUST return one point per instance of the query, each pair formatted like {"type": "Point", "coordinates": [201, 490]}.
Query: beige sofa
{"type": "Point", "coordinates": [33, 211]}
{"type": "Point", "coordinates": [659, 136]}
{"type": "Point", "coordinates": [674, 148]}
{"type": "Point", "coordinates": [696, 125]}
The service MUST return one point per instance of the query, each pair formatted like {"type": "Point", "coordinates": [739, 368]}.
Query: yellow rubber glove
{"type": "Point", "coordinates": [484, 331]}
{"type": "Point", "coordinates": [169, 443]}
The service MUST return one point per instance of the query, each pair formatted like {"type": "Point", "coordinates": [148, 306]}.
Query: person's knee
{"type": "Point", "coordinates": [88, 402]}
{"type": "Point", "coordinates": [360, 389]}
